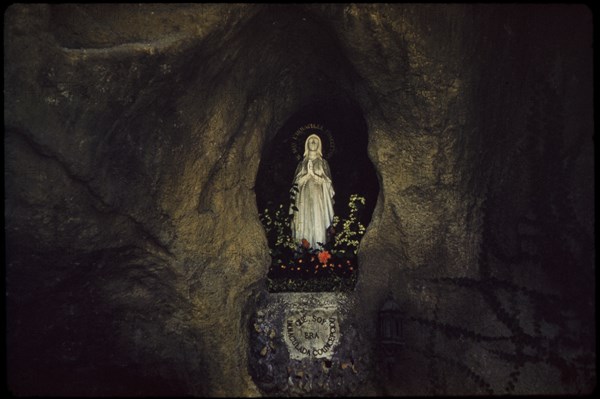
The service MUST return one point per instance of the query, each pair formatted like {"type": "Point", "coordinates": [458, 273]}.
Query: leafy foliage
{"type": "Point", "coordinates": [297, 266]}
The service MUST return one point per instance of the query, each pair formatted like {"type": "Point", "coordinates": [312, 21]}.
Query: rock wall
{"type": "Point", "coordinates": [133, 135]}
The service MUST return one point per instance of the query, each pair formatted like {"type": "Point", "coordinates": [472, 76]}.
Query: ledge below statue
{"type": "Point", "coordinates": [306, 343]}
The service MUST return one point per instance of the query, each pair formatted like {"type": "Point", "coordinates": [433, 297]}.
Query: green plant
{"type": "Point", "coordinates": [295, 266]}
{"type": "Point", "coordinates": [277, 226]}
{"type": "Point", "coordinates": [346, 241]}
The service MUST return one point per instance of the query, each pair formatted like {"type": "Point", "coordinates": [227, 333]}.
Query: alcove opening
{"type": "Point", "coordinates": [343, 131]}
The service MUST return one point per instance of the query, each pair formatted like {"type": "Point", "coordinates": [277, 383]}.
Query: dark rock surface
{"type": "Point", "coordinates": [276, 373]}
{"type": "Point", "coordinates": [133, 135]}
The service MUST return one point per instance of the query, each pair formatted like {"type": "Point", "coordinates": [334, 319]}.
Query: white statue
{"type": "Point", "coordinates": [314, 199]}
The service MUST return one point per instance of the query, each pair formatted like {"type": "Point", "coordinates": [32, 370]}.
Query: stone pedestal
{"type": "Point", "coordinates": [306, 344]}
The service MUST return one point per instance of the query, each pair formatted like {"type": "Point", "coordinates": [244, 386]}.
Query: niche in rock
{"type": "Point", "coordinates": [313, 264]}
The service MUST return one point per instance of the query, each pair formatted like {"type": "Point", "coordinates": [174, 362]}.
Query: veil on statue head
{"type": "Point", "coordinates": [319, 146]}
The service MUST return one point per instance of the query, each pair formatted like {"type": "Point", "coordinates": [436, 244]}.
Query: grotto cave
{"type": "Point", "coordinates": [343, 130]}
{"type": "Point", "coordinates": [142, 143]}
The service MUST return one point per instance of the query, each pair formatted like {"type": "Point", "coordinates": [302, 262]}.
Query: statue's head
{"type": "Point", "coordinates": [313, 144]}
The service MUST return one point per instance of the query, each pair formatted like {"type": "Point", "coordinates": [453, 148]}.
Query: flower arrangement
{"type": "Point", "coordinates": [299, 267]}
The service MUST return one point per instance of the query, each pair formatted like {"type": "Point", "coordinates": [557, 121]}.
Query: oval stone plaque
{"type": "Point", "coordinates": [311, 333]}
{"type": "Point", "coordinates": [307, 344]}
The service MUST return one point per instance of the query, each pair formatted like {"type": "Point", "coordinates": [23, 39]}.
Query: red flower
{"type": "Point", "coordinates": [305, 243]}
{"type": "Point", "coordinates": [324, 256]}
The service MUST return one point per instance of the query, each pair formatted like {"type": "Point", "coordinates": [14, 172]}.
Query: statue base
{"type": "Point", "coordinates": [306, 344]}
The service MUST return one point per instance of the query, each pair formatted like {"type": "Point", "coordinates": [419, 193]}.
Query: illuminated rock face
{"type": "Point", "coordinates": [133, 135]}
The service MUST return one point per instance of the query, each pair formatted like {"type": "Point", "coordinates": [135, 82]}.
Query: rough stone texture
{"type": "Point", "coordinates": [133, 134]}
{"type": "Point", "coordinates": [275, 369]}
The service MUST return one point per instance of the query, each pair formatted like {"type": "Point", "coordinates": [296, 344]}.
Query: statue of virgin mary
{"type": "Point", "coordinates": [314, 199]}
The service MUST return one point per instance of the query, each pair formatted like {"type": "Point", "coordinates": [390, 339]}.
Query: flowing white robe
{"type": "Point", "coordinates": [314, 201]}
